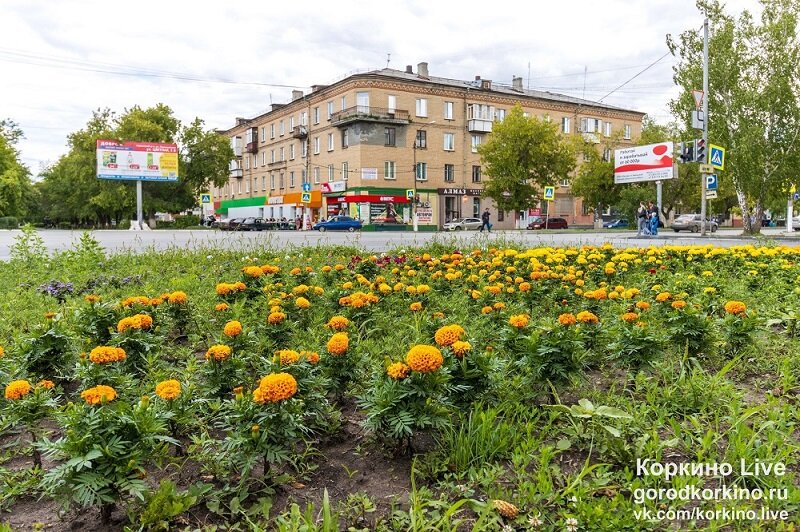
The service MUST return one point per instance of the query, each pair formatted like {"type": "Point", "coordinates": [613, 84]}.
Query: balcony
{"type": "Point", "coordinates": [237, 150]}
{"type": "Point", "coordinates": [251, 147]}
{"type": "Point", "coordinates": [364, 113]}
{"type": "Point", "coordinates": [300, 132]}
{"type": "Point", "coordinates": [479, 126]}
{"type": "Point", "coordinates": [236, 172]}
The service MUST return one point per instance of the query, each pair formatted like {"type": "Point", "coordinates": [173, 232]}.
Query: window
{"type": "Point", "coordinates": [389, 136]}
{"type": "Point", "coordinates": [422, 171]}
{"type": "Point", "coordinates": [362, 102]}
{"type": "Point", "coordinates": [291, 179]}
{"type": "Point", "coordinates": [330, 110]}
{"type": "Point", "coordinates": [247, 187]}
{"type": "Point", "coordinates": [330, 173]}
{"type": "Point", "coordinates": [501, 216]}
{"type": "Point", "coordinates": [477, 111]}
{"type": "Point", "coordinates": [476, 207]}
{"type": "Point", "coordinates": [272, 181]}
{"type": "Point", "coordinates": [263, 182]}
{"type": "Point", "coordinates": [272, 131]}
{"type": "Point", "coordinates": [344, 103]}
{"type": "Point", "coordinates": [303, 177]}
{"type": "Point", "coordinates": [316, 115]}
{"type": "Point", "coordinates": [591, 125]}
{"type": "Point", "coordinates": [316, 175]}
{"type": "Point", "coordinates": [563, 182]}
{"type": "Point", "coordinates": [565, 124]}
{"type": "Point", "coordinates": [391, 103]}
{"type": "Point", "coordinates": [500, 115]}
{"type": "Point", "coordinates": [345, 171]}
{"type": "Point", "coordinates": [422, 139]}
{"type": "Point", "coordinates": [291, 152]}
{"type": "Point", "coordinates": [476, 174]}
{"type": "Point", "coordinates": [547, 119]}
{"type": "Point", "coordinates": [272, 156]}
{"type": "Point", "coordinates": [282, 127]}
{"type": "Point", "coordinates": [263, 134]}
{"type": "Point", "coordinates": [422, 107]}
{"type": "Point", "coordinates": [283, 183]}
{"type": "Point", "coordinates": [247, 163]}
{"type": "Point", "coordinates": [389, 170]}
{"type": "Point", "coordinates": [304, 118]}
{"type": "Point", "coordinates": [449, 173]}
{"type": "Point", "coordinates": [448, 110]}
{"type": "Point", "coordinates": [239, 191]}
{"type": "Point", "coordinates": [303, 150]}
{"type": "Point", "coordinates": [449, 142]}
{"type": "Point", "coordinates": [607, 127]}
{"type": "Point", "coordinates": [283, 158]}
{"type": "Point", "coordinates": [263, 158]}
{"type": "Point", "coordinates": [626, 132]}
{"type": "Point", "coordinates": [316, 145]}
{"type": "Point", "coordinates": [476, 141]}
{"type": "Point", "coordinates": [291, 123]}
{"type": "Point", "coordinates": [345, 139]}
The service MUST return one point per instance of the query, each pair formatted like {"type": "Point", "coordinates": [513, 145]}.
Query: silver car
{"type": "Point", "coordinates": [691, 222]}
{"type": "Point", "coordinates": [462, 224]}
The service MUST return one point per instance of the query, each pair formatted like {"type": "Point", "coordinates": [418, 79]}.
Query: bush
{"type": "Point", "coordinates": [189, 220]}
{"type": "Point", "coordinates": [9, 222]}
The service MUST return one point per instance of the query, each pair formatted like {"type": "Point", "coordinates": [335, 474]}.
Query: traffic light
{"type": "Point", "coordinates": [700, 151]}
{"type": "Point", "coordinates": [686, 151]}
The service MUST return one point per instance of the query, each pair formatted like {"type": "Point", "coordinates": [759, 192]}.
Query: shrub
{"type": "Point", "coordinates": [9, 222]}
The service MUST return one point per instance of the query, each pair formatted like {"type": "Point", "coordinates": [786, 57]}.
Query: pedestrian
{"type": "Point", "coordinates": [642, 216]}
{"type": "Point", "coordinates": [485, 221]}
{"type": "Point", "coordinates": [653, 211]}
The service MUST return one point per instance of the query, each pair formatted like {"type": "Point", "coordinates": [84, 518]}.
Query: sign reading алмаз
{"type": "Point", "coordinates": [643, 163]}
{"type": "Point", "coordinates": [459, 191]}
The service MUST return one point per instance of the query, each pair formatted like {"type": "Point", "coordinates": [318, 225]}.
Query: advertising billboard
{"type": "Point", "coordinates": [143, 161]}
{"type": "Point", "coordinates": [643, 163]}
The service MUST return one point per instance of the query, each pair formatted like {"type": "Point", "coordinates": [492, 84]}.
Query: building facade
{"type": "Point", "coordinates": [379, 144]}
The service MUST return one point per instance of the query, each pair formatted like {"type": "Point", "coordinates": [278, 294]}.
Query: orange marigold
{"type": "Point", "coordinates": [178, 298]}
{"type": "Point", "coordinates": [92, 298]}
{"type": "Point", "coordinates": [663, 296]}
{"type": "Point", "coordinates": [338, 323]}
{"type": "Point", "coordinates": [416, 306]}
{"type": "Point", "coordinates": [2, 351]}
{"type": "Point", "coordinates": [629, 317]}
{"type": "Point", "coordinates": [99, 394]}
{"type": "Point", "coordinates": [169, 389]}
{"type": "Point", "coordinates": [519, 320]}
{"type": "Point", "coordinates": [106, 354]}
{"type": "Point", "coordinates": [338, 344]}
{"type": "Point", "coordinates": [218, 352]}
{"type": "Point", "coordinates": [735, 307]}
{"type": "Point", "coordinates": [460, 348]}
{"type": "Point", "coordinates": [642, 305]}
{"type": "Point", "coordinates": [567, 318]}
{"type": "Point", "coordinates": [222, 307]}
{"type": "Point", "coordinates": [18, 389]}
{"type": "Point", "coordinates": [499, 305]}
{"type": "Point", "coordinates": [398, 371]}
{"type": "Point", "coordinates": [275, 318]}
{"type": "Point", "coordinates": [139, 321]}
{"type": "Point", "coordinates": [287, 356]}
{"type": "Point", "coordinates": [525, 286]}
{"type": "Point", "coordinates": [302, 303]}
{"type": "Point", "coordinates": [46, 384]}
{"type": "Point", "coordinates": [678, 304]}
{"type": "Point", "coordinates": [424, 358]}
{"type": "Point", "coordinates": [449, 334]}
{"type": "Point", "coordinates": [585, 316]}
{"type": "Point", "coordinates": [232, 329]}
{"type": "Point", "coordinates": [253, 271]}
{"type": "Point", "coordinates": [486, 310]}
{"type": "Point", "coordinates": [275, 387]}
{"type": "Point", "coordinates": [311, 356]}
{"type": "Point", "coordinates": [135, 300]}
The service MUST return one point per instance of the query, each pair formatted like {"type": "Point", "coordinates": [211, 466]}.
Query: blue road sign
{"type": "Point", "coordinates": [205, 198]}
{"type": "Point", "coordinates": [717, 157]}
{"type": "Point", "coordinates": [306, 187]}
{"type": "Point", "coordinates": [711, 182]}
{"type": "Point", "coordinates": [305, 197]}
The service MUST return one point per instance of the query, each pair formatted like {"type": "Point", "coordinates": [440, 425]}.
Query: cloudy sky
{"type": "Point", "coordinates": [218, 60]}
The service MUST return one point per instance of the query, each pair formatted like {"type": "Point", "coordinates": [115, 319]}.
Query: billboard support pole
{"type": "Point", "coordinates": [139, 217]}
{"type": "Point", "coordinates": [658, 197]}
{"type": "Point", "coordinates": [705, 128]}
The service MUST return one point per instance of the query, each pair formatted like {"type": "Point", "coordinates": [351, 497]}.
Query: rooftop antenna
{"type": "Point", "coordinates": [529, 75]}
{"type": "Point", "coordinates": [388, 58]}
{"type": "Point", "coordinates": [585, 71]}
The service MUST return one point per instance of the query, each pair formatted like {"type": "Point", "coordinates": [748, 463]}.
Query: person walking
{"type": "Point", "coordinates": [642, 216]}
{"type": "Point", "coordinates": [653, 212]}
{"type": "Point", "coordinates": [485, 221]}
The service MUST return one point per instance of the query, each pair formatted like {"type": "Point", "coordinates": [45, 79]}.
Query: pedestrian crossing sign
{"type": "Point", "coordinates": [549, 193]}
{"type": "Point", "coordinates": [205, 199]}
{"type": "Point", "coordinates": [717, 156]}
{"type": "Point", "coordinates": [305, 197]}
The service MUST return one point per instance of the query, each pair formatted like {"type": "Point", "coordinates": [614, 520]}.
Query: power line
{"type": "Point", "coordinates": [635, 76]}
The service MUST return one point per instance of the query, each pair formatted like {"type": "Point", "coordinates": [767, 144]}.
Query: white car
{"type": "Point", "coordinates": [462, 224]}
{"type": "Point", "coordinates": [796, 223]}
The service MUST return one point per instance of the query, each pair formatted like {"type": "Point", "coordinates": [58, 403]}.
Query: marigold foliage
{"type": "Point", "coordinates": [424, 358]}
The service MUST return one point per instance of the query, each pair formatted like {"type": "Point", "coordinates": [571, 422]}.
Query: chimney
{"type": "Point", "coordinates": [409, 69]}
{"type": "Point", "coordinates": [276, 106]}
{"type": "Point", "coordinates": [296, 95]}
{"type": "Point", "coordinates": [516, 83]}
{"type": "Point", "coordinates": [316, 88]}
{"type": "Point", "coordinates": [240, 120]}
{"type": "Point", "coordinates": [422, 70]}
{"type": "Point", "coordinates": [477, 78]}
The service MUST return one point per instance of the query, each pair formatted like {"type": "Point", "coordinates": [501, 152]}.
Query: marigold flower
{"type": "Point", "coordinates": [156, 301]}
{"type": "Point", "coordinates": [218, 352]}
{"type": "Point", "coordinates": [447, 335]}
{"type": "Point", "coordinates": [424, 358]}
{"type": "Point", "coordinates": [221, 307]}
{"type": "Point", "coordinates": [302, 303]}
{"type": "Point", "coordinates": [295, 271]}
{"type": "Point", "coordinates": [567, 318]}
{"type": "Point", "coordinates": [338, 344]}
{"type": "Point", "coordinates": [178, 298]}
{"type": "Point", "coordinates": [416, 306]}
{"type": "Point", "coordinates": [138, 321]}
{"type": "Point", "coordinates": [105, 354]}
{"type": "Point", "coordinates": [629, 317]}
{"type": "Point", "coordinates": [663, 296]}
{"type": "Point", "coordinates": [270, 269]}
{"type": "Point", "coordinates": [506, 509]}
{"type": "Point", "coordinates": [92, 298]}
{"type": "Point", "coordinates": [135, 300]}
{"type": "Point", "coordinates": [253, 271]}
{"type": "Point", "coordinates": [326, 269]}
{"type": "Point", "coordinates": [169, 389]}
{"type": "Point", "coordinates": [99, 394]}
{"type": "Point", "coordinates": [519, 320]}
{"type": "Point", "coordinates": [287, 356]}
{"type": "Point", "coordinates": [486, 310]}
{"type": "Point", "coordinates": [338, 323]}
{"type": "Point", "coordinates": [311, 356]}
{"type": "Point", "coordinates": [275, 387]}
{"type": "Point", "coordinates": [677, 305]}
{"type": "Point", "coordinates": [524, 286]}
{"type": "Point", "coordinates": [275, 318]}
{"type": "Point", "coordinates": [398, 371]}
{"type": "Point", "coordinates": [642, 305]}
{"type": "Point", "coordinates": [460, 348]}
{"type": "Point", "coordinates": [735, 307]}
{"type": "Point", "coordinates": [46, 384]}
{"type": "Point", "coordinates": [18, 389]}
{"type": "Point", "coordinates": [239, 286]}
{"type": "Point", "coordinates": [49, 315]}
{"type": "Point", "coordinates": [438, 315]}
{"type": "Point", "coordinates": [2, 351]}
{"type": "Point", "coordinates": [587, 317]}
{"type": "Point", "coordinates": [232, 328]}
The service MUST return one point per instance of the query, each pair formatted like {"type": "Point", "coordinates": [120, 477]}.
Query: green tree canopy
{"type": "Point", "coordinates": [16, 189]}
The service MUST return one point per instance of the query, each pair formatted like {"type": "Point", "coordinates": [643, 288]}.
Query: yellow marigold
{"type": "Point", "coordinates": [423, 289]}
{"type": "Point", "coordinates": [424, 358]}
{"type": "Point", "coordinates": [663, 296]}
{"type": "Point", "coordinates": [232, 328]}
{"type": "Point", "coordinates": [311, 356]}
{"type": "Point", "coordinates": [506, 509]}
{"type": "Point", "coordinates": [99, 394]}
{"type": "Point", "coordinates": [642, 305]}
{"type": "Point", "coordinates": [709, 290]}
{"type": "Point", "coordinates": [49, 315]}
{"type": "Point", "coordinates": [169, 389]}
{"type": "Point", "coordinates": [18, 389]}
{"type": "Point", "coordinates": [438, 315]}
{"type": "Point", "coordinates": [287, 356]}
{"type": "Point", "coordinates": [326, 269]}
{"type": "Point", "coordinates": [46, 384]}
{"type": "Point", "coordinates": [222, 307]}
{"type": "Point", "coordinates": [295, 271]}
{"type": "Point", "coordinates": [138, 321]}
{"type": "Point", "coordinates": [567, 318]}
{"type": "Point", "coordinates": [92, 298]}
{"type": "Point", "coordinates": [302, 303]}
{"type": "Point", "coordinates": [275, 318]}
{"type": "Point", "coordinates": [338, 323]}
{"type": "Point", "coordinates": [135, 300]}
{"type": "Point", "coordinates": [239, 286]}
{"type": "Point", "coordinates": [300, 289]}
{"type": "Point", "coordinates": [398, 371]}
{"type": "Point", "coordinates": [735, 307]}
{"type": "Point", "coordinates": [156, 301]}
{"type": "Point", "coordinates": [499, 305]}
{"type": "Point", "coordinates": [524, 286]}
{"type": "Point", "coordinates": [460, 348]}
{"type": "Point", "coordinates": [2, 351]}
{"type": "Point", "coordinates": [678, 304]}
{"type": "Point", "coordinates": [585, 316]}
{"type": "Point", "coordinates": [630, 317]}
{"type": "Point", "coordinates": [416, 306]}
{"type": "Point", "coordinates": [318, 290]}
{"type": "Point", "coordinates": [275, 387]}
{"type": "Point", "coordinates": [218, 352]}
{"type": "Point", "coordinates": [270, 269]}
{"type": "Point", "coordinates": [338, 344]}
{"type": "Point", "coordinates": [104, 354]}
{"type": "Point", "coordinates": [486, 310]}
{"type": "Point", "coordinates": [519, 320]}
{"type": "Point", "coordinates": [178, 298]}
{"type": "Point", "coordinates": [449, 334]}
{"type": "Point", "coordinates": [253, 271]}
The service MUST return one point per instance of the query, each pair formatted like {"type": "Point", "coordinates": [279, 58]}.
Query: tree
{"type": "Point", "coordinates": [521, 157]}
{"type": "Point", "coordinates": [754, 100]}
{"type": "Point", "coordinates": [205, 157]}
{"type": "Point", "coordinates": [16, 189]}
{"type": "Point", "coordinates": [595, 180]}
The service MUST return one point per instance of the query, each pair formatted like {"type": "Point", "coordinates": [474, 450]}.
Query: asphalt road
{"type": "Point", "coordinates": [117, 241]}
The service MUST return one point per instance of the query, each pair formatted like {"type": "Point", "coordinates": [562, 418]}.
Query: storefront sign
{"type": "Point", "coordinates": [425, 215]}
{"type": "Point", "coordinates": [275, 200]}
{"type": "Point", "coordinates": [368, 198]}
{"type": "Point", "coordinates": [336, 186]}
{"type": "Point", "coordinates": [459, 191]}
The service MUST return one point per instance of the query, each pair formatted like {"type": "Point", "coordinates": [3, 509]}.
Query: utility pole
{"type": "Point", "coordinates": [705, 128]}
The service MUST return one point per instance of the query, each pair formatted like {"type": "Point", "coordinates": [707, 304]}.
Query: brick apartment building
{"type": "Point", "coordinates": [363, 142]}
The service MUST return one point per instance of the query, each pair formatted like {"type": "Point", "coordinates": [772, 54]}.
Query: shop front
{"type": "Point", "coordinates": [455, 203]}
{"type": "Point", "coordinates": [291, 206]}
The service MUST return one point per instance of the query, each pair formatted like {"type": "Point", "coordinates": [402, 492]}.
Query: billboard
{"type": "Point", "coordinates": [643, 163]}
{"type": "Point", "coordinates": [143, 161]}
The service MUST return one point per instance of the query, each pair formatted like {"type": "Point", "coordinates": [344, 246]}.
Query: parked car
{"type": "Point", "coordinates": [254, 224]}
{"type": "Point", "coordinates": [234, 223]}
{"type": "Point", "coordinates": [225, 223]}
{"type": "Point", "coordinates": [550, 223]}
{"type": "Point", "coordinates": [338, 223]}
{"type": "Point", "coordinates": [795, 223]}
{"type": "Point", "coordinates": [616, 224]}
{"type": "Point", "coordinates": [462, 224]}
{"type": "Point", "coordinates": [691, 222]}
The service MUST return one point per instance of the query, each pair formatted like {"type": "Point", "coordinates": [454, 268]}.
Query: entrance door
{"type": "Point", "coordinates": [452, 208]}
